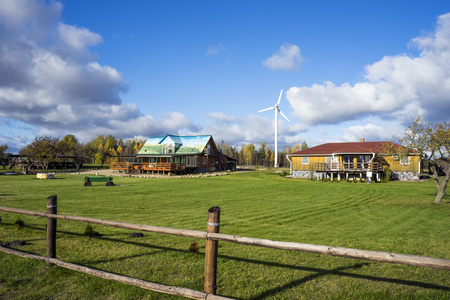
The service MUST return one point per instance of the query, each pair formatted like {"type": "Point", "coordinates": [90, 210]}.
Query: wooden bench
{"type": "Point", "coordinates": [89, 179]}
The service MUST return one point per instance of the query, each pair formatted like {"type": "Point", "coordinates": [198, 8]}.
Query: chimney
{"type": "Point", "coordinates": [362, 140]}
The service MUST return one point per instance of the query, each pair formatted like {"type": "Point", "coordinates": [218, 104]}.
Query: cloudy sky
{"type": "Point", "coordinates": [348, 69]}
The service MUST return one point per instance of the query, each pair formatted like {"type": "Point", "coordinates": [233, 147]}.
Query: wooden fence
{"type": "Point", "coordinates": [212, 236]}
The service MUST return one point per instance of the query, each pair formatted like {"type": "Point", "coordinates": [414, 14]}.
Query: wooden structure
{"type": "Point", "coordinates": [357, 160]}
{"type": "Point", "coordinates": [212, 236]}
{"type": "Point", "coordinates": [176, 154]}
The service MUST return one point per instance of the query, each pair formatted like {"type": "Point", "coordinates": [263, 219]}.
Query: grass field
{"type": "Point", "coordinates": [395, 217]}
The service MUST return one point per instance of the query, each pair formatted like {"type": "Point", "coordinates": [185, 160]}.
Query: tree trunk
{"type": "Point", "coordinates": [441, 185]}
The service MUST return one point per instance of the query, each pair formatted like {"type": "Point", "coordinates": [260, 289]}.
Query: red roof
{"type": "Point", "coordinates": [346, 148]}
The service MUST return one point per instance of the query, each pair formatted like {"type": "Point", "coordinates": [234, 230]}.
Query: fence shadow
{"type": "Point", "coordinates": [319, 272]}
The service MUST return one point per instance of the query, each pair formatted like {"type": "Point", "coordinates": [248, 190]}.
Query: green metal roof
{"type": "Point", "coordinates": [178, 144]}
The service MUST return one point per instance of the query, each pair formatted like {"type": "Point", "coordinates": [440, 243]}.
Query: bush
{"type": "Point", "coordinates": [19, 223]}
{"type": "Point", "coordinates": [89, 231]}
{"type": "Point", "coordinates": [194, 247]}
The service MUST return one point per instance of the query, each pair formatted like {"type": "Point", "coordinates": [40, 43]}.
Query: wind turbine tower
{"type": "Point", "coordinates": [276, 109]}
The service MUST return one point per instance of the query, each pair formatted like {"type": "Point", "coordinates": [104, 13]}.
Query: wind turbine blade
{"type": "Point", "coordinates": [266, 109]}
{"type": "Point", "coordinates": [283, 115]}
{"type": "Point", "coordinates": [279, 98]}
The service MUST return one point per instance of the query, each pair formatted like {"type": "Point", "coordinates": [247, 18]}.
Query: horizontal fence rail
{"type": "Point", "coordinates": [397, 258]}
{"type": "Point", "coordinates": [167, 289]}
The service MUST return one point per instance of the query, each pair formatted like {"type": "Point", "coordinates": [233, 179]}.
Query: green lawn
{"type": "Point", "coordinates": [395, 217]}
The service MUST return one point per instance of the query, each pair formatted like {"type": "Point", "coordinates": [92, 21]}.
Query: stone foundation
{"type": "Point", "coordinates": [404, 176]}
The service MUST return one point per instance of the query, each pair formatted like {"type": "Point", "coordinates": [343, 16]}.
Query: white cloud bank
{"type": "Point", "coordinates": [249, 129]}
{"type": "Point", "coordinates": [396, 87]}
{"type": "Point", "coordinates": [287, 58]}
{"type": "Point", "coordinates": [50, 80]}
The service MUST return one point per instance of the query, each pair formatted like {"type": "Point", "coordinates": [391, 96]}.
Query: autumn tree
{"type": "Point", "coordinates": [249, 153]}
{"type": "Point", "coordinates": [432, 141]}
{"type": "Point", "coordinates": [70, 146]}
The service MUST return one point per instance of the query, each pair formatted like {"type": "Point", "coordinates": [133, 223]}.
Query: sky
{"type": "Point", "coordinates": [135, 69]}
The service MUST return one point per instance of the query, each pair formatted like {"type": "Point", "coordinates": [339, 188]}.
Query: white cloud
{"type": "Point", "coordinates": [78, 38]}
{"type": "Point", "coordinates": [249, 129]}
{"type": "Point", "coordinates": [214, 50]}
{"type": "Point", "coordinates": [395, 87]}
{"type": "Point", "coordinates": [51, 81]}
{"type": "Point", "coordinates": [287, 58]}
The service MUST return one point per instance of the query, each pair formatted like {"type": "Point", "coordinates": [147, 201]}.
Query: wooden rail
{"type": "Point", "coordinates": [212, 236]}
{"type": "Point", "coordinates": [173, 290]}
{"type": "Point", "coordinates": [348, 167]}
{"type": "Point", "coordinates": [147, 166]}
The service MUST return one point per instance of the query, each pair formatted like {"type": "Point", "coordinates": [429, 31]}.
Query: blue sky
{"type": "Point", "coordinates": [349, 69]}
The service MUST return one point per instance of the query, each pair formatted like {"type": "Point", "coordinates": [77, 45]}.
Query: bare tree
{"type": "Point", "coordinates": [432, 141]}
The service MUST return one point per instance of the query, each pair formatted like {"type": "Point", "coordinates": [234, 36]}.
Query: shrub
{"type": "Point", "coordinates": [193, 248]}
{"type": "Point", "coordinates": [89, 231]}
{"type": "Point", "coordinates": [19, 223]}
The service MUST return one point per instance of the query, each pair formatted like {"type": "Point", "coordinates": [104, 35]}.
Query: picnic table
{"type": "Point", "coordinates": [89, 179]}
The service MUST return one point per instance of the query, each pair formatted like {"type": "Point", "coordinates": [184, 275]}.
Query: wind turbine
{"type": "Point", "coordinates": [276, 125]}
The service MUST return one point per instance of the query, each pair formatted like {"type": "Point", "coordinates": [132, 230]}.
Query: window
{"type": "Point", "coordinates": [204, 160]}
{"type": "Point", "coordinates": [404, 160]}
{"type": "Point", "coordinates": [191, 161]}
{"type": "Point", "coordinates": [305, 160]}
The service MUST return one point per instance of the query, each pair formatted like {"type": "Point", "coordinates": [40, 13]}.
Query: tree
{"type": "Point", "coordinates": [432, 141]}
{"type": "Point", "coordinates": [272, 159]}
{"type": "Point", "coordinates": [295, 149]}
{"type": "Point", "coordinates": [3, 155]}
{"type": "Point", "coordinates": [261, 153]}
{"type": "Point", "coordinates": [42, 150]}
{"type": "Point", "coordinates": [249, 153]}
{"type": "Point", "coordinates": [70, 146]}
{"type": "Point", "coordinates": [304, 146]}
{"type": "Point", "coordinates": [267, 155]}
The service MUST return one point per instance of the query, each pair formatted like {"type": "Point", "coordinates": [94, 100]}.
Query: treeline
{"type": "Point", "coordinates": [45, 149]}
{"type": "Point", "coordinates": [248, 155]}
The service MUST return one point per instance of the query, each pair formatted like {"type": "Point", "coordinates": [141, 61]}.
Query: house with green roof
{"type": "Point", "coordinates": [176, 154]}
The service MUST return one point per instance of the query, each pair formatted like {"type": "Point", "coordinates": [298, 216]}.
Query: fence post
{"type": "Point", "coordinates": [211, 251]}
{"type": "Point", "coordinates": [51, 228]}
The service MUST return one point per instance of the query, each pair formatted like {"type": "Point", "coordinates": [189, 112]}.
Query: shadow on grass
{"type": "Point", "coordinates": [319, 272]}
{"type": "Point", "coordinates": [271, 292]}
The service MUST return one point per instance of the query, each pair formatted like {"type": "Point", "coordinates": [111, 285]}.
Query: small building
{"type": "Point", "coordinates": [176, 154]}
{"type": "Point", "coordinates": [356, 160]}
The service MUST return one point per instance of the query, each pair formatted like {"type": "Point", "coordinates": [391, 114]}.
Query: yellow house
{"type": "Point", "coordinates": [362, 159]}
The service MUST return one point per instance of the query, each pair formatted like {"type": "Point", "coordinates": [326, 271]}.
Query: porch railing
{"type": "Point", "coordinates": [147, 166]}
{"type": "Point", "coordinates": [348, 167]}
